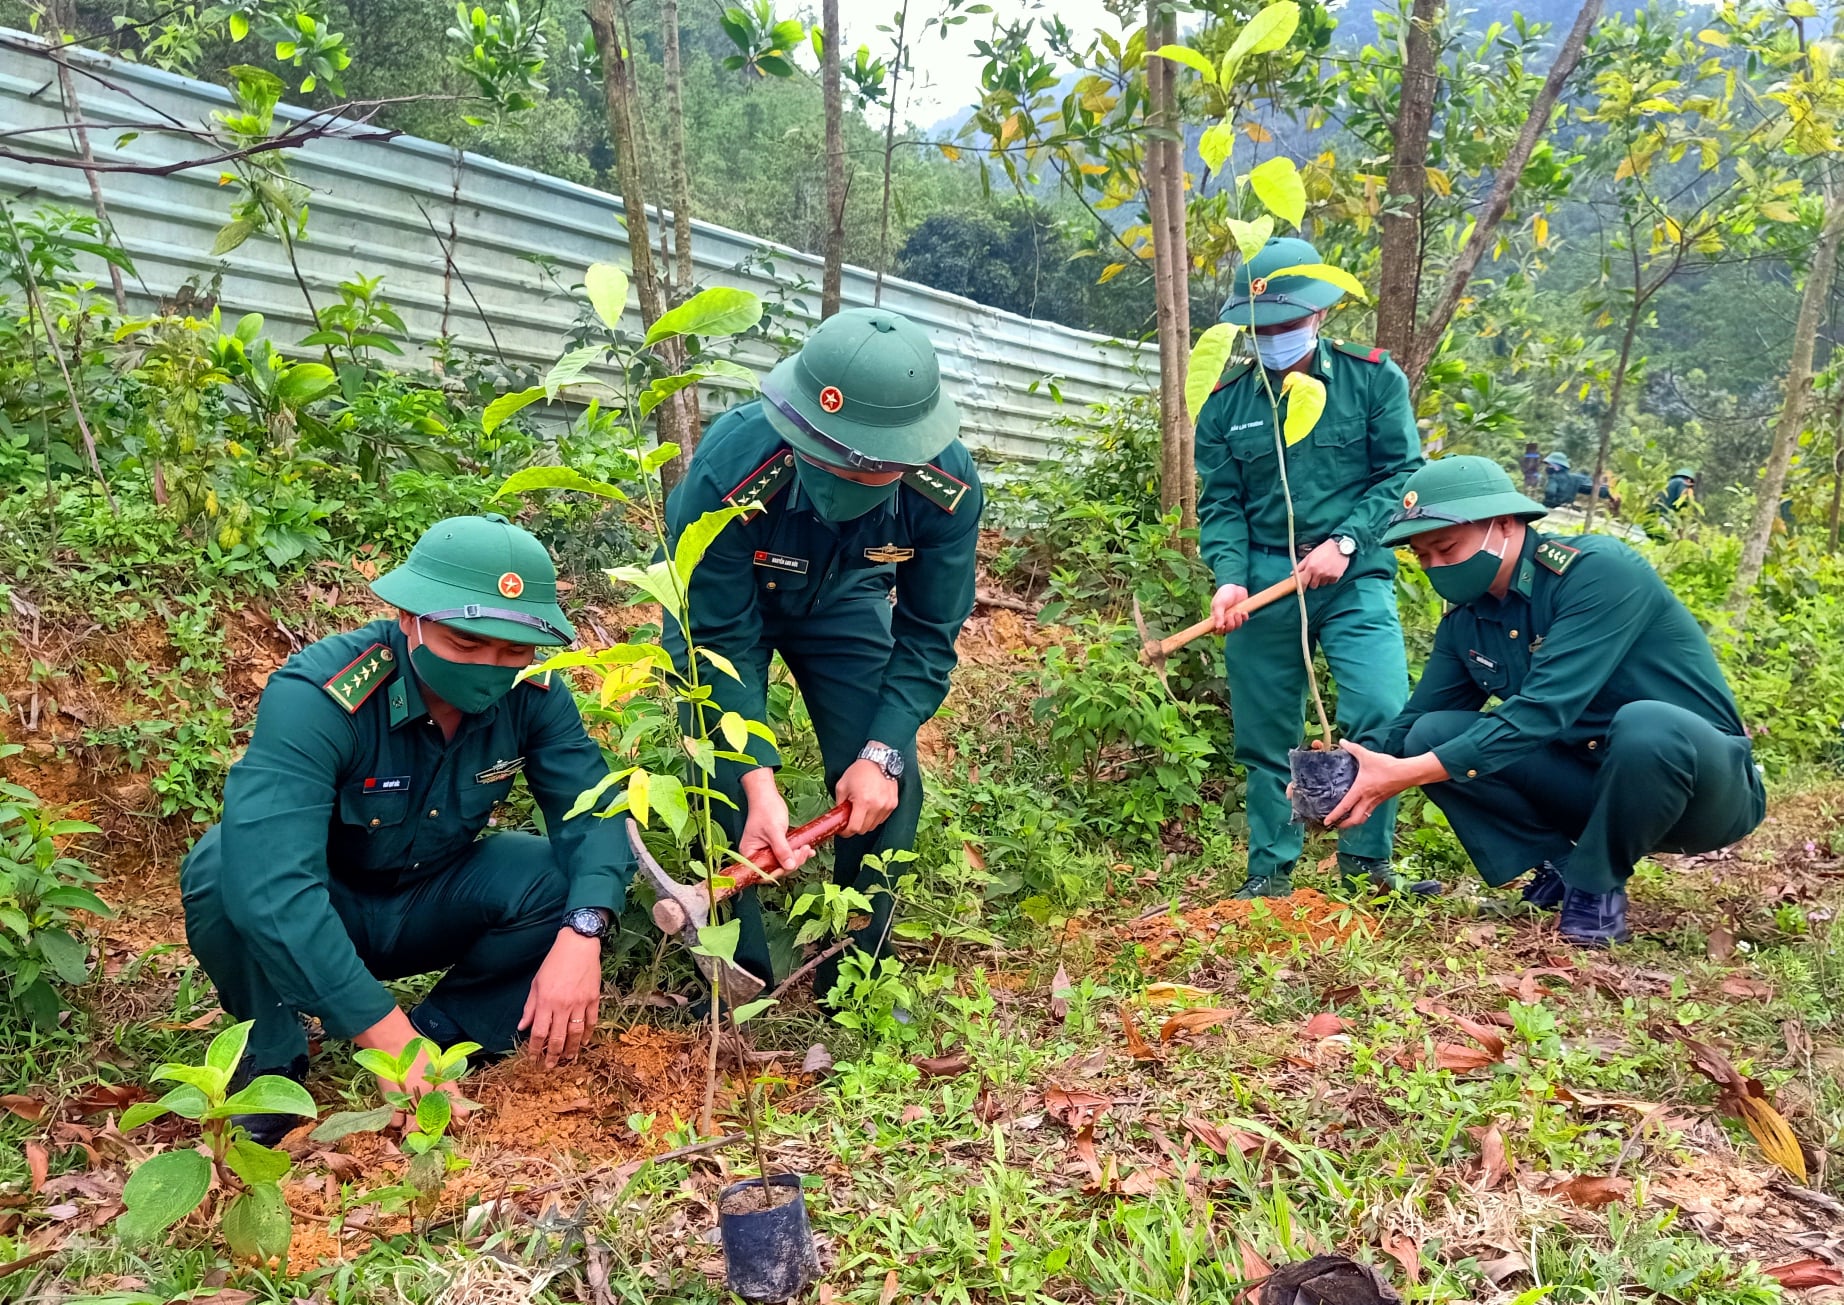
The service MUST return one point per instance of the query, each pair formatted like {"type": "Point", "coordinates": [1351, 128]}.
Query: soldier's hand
{"type": "Point", "coordinates": [765, 832]}
{"type": "Point", "coordinates": [391, 1035]}
{"type": "Point", "coordinates": [1325, 565]}
{"type": "Point", "coordinates": [1226, 598]}
{"type": "Point", "coordinates": [872, 793]}
{"type": "Point", "coordinates": [565, 998]}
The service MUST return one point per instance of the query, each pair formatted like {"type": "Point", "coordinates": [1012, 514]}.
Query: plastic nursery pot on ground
{"type": "Point", "coordinates": [768, 1249]}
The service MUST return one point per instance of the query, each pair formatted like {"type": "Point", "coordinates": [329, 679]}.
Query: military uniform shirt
{"type": "Point", "coordinates": [786, 563]}
{"type": "Point", "coordinates": [1585, 628]}
{"type": "Point", "coordinates": [348, 777]}
{"type": "Point", "coordinates": [1346, 475]}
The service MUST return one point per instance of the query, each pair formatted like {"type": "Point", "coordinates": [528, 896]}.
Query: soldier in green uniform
{"type": "Point", "coordinates": [1346, 479]}
{"type": "Point", "coordinates": [1679, 490]}
{"type": "Point", "coordinates": [349, 851]}
{"type": "Point", "coordinates": [858, 568]}
{"type": "Point", "coordinates": [1615, 734]}
{"type": "Point", "coordinates": [1561, 486]}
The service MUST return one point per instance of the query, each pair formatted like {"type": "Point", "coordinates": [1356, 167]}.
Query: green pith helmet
{"type": "Point", "coordinates": [1277, 299]}
{"type": "Point", "coordinates": [865, 393]}
{"type": "Point", "coordinates": [483, 576]}
{"type": "Point", "coordinates": [1557, 459]}
{"type": "Point", "coordinates": [1684, 473]}
{"type": "Point", "coordinates": [1454, 491]}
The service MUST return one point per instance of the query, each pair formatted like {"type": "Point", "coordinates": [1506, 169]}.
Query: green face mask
{"type": "Point", "coordinates": [1464, 582]}
{"type": "Point", "coordinates": [465, 686]}
{"type": "Point", "coordinates": [837, 499]}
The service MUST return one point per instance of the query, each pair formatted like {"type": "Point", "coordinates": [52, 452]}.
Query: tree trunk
{"type": "Point", "coordinates": [1613, 402]}
{"type": "Point", "coordinates": [1427, 334]}
{"type": "Point", "coordinates": [883, 231]}
{"type": "Point", "coordinates": [1837, 487]}
{"type": "Point", "coordinates": [1178, 247]}
{"type": "Point", "coordinates": [60, 19]}
{"type": "Point", "coordinates": [687, 419]}
{"type": "Point", "coordinates": [1165, 273]}
{"type": "Point", "coordinates": [1812, 302]}
{"type": "Point", "coordinates": [833, 275]}
{"type": "Point", "coordinates": [1399, 280]}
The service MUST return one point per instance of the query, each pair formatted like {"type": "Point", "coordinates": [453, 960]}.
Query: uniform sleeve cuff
{"type": "Point", "coordinates": [1232, 570]}
{"type": "Point", "coordinates": [602, 890]}
{"type": "Point", "coordinates": [348, 1011]}
{"type": "Point", "coordinates": [1461, 760]}
{"type": "Point", "coordinates": [894, 730]}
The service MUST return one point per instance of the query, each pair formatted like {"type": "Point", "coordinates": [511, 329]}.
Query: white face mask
{"type": "Point", "coordinates": [1283, 349]}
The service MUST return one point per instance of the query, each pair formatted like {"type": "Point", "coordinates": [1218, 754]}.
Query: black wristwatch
{"type": "Point", "coordinates": [888, 760]}
{"type": "Point", "coordinates": [589, 921]}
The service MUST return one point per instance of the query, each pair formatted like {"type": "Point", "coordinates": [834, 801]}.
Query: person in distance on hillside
{"type": "Point", "coordinates": [1615, 736]}
{"type": "Point", "coordinates": [1561, 487]}
{"type": "Point", "coordinates": [1346, 478]}
{"type": "Point", "coordinates": [349, 849]}
{"type": "Point", "coordinates": [858, 568]}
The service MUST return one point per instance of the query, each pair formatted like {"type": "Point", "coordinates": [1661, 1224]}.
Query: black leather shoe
{"type": "Point", "coordinates": [1544, 889]}
{"type": "Point", "coordinates": [1594, 919]}
{"type": "Point", "coordinates": [268, 1130]}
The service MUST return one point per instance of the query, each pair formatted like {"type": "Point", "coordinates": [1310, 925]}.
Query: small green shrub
{"type": "Point", "coordinates": [41, 890]}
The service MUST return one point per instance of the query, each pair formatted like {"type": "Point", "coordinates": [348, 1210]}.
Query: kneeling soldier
{"type": "Point", "coordinates": [1615, 735]}
{"type": "Point", "coordinates": [349, 849]}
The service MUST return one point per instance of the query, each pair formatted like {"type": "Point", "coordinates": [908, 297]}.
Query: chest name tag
{"type": "Point", "coordinates": [889, 553]}
{"type": "Point", "coordinates": [500, 770]}
{"type": "Point", "coordinates": [1247, 425]}
{"type": "Point", "coordinates": [394, 784]}
{"type": "Point", "coordinates": [1480, 659]}
{"type": "Point", "coordinates": [781, 561]}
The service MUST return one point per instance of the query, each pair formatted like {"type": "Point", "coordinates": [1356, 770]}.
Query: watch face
{"type": "Point", "coordinates": [588, 922]}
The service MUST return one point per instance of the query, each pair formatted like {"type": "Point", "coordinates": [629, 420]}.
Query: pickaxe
{"type": "Point", "coordinates": [683, 910]}
{"type": "Point", "coordinates": [1154, 651]}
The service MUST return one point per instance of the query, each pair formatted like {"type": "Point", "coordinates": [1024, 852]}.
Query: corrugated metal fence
{"type": "Point", "coordinates": [373, 206]}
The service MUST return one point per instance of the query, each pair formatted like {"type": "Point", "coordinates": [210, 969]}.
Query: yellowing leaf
{"type": "Point", "coordinates": [1539, 228]}
{"type": "Point", "coordinates": [637, 796]}
{"type": "Point", "coordinates": [1009, 129]}
{"type": "Point", "coordinates": [1109, 272]}
{"type": "Point", "coordinates": [1171, 993]}
{"type": "Point", "coordinates": [735, 731]}
{"type": "Point", "coordinates": [1774, 211]}
{"type": "Point", "coordinates": [606, 285]}
{"type": "Point", "coordinates": [1214, 145]}
{"type": "Point", "coordinates": [1251, 236]}
{"type": "Point", "coordinates": [1709, 36]}
{"type": "Point", "coordinates": [1305, 397]}
{"type": "Point", "coordinates": [1092, 169]}
{"type": "Point", "coordinates": [1774, 1134]}
{"type": "Point", "coordinates": [948, 152]}
{"type": "Point", "coordinates": [1278, 186]}
{"type": "Point", "coordinates": [1324, 272]}
{"type": "Point", "coordinates": [1207, 358]}
{"type": "Point", "coordinates": [1438, 181]}
{"type": "Point", "coordinates": [1267, 31]}
{"type": "Point", "coordinates": [1257, 133]}
{"type": "Point", "coordinates": [1190, 58]}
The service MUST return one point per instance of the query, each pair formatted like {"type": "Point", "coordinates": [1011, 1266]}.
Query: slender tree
{"type": "Point", "coordinates": [1399, 282]}
{"type": "Point", "coordinates": [832, 276]}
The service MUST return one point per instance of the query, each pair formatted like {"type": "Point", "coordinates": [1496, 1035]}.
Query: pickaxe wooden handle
{"type": "Point", "coordinates": [670, 915]}
{"type": "Point", "coordinates": [1155, 651]}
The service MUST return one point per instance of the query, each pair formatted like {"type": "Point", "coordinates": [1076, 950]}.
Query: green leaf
{"type": "Point", "coordinates": [230, 235]}
{"type": "Point", "coordinates": [667, 794]}
{"type": "Point", "coordinates": [567, 368]}
{"type": "Point", "coordinates": [749, 1010]}
{"type": "Point", "coordinates": [1278, 186]}
{"type": "Point", "coordinates": [663, 388]}
{"type": "Point", "coordinates": [507, 404]}
{"type": "Point", "coordinates": [433, 1113]}
{"type": "Point", "coordinates": [1215, 145]}
{"type": "Point", "coordinates": [719, 310]}
{"type": "Point", "coordinates": [163, 1190]}
{"type": "Point", "coordinates": [1250, 237]}
{"type": "Point", "coordinates": [257, 1225]}
{"type": "Point", "coordinates": [68, 958]}
{"type": "Point", "coordinates": [523, 482]}
{"type": "Point", "coordinates": [1190, 58]}
{"type": "Point", "coordinates": [227, 1048]}
{"type": "Point", "coordinates": [343, 1124]}
{"type": "Point", "coordinates": [239, 27]}
{"type": "Point", "coordinates": [302, 383]}
{"type": "Point", "coordinates": [1266, 32]}
{"type": "Point", "coordinates": [697, 538]}
{"type": "Point", "coordinates": [722, 663]}
{"type": "Point", "coordinates": [271, 1094]}
{"type": "Point", "coordinates": [734, 729]}
{"type": "Point", "coordinates": [1208, 357]}
{"type": "Point", "coordinates": [1305, 404]}
{"type": "Point", "coordinates": [607, 287]}
{"type": "Point", "coordinates": [1325, 272]}
{"type": "Point", "coordinates": [256, 1163]}
{"type": "Point", "coordinates": [720, 940]}
{"type": "Point", "coordinates": [656, 581]}
{"type": "Point", "coordinates": [72, 898]}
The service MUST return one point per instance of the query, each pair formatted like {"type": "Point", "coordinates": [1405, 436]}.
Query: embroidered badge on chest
{"type": "Point", "coordinates": [781, 561]}
{"type": "Point", "coordinates": [390, 784]}
{"type": "Point", "coordinates": [888, 553]}
{"type": "Point", "coordinates": [500, 770]}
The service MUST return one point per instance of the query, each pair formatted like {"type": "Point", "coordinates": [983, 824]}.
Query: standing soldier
{"type": "Point", "coordinates": [350, 853]}
{"type": "Point", "coordinates": [1346, 479]}
{"type": "Point", "coordinates": [858, 569]}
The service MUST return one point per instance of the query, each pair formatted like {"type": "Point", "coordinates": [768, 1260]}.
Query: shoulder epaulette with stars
{"type": "Point", "coordinates": [762, 484]}
{"type": "Point", "coordinates": [367, 672]}
{"type": "Point", "coordinates": [541, 681]}
{"type": "Point", "coordinates": [1366, 353]}
{"type": "Point", "coordinates": [1237, 370]}
{"type": "Point", "coordinates": [1556, 556]}
{"type": "Point", "coordinates": [937, 486]}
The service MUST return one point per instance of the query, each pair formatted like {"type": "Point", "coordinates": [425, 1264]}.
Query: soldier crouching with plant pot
{"type": "Point", "coordinates": [349, 849]}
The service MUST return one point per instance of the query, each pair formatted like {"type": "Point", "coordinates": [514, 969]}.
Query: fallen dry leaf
{"type": "Point", "coordinates": [912, 1112]}
{"type": "Point", "coordinates": [1495, 1163]}
{"type": "Point", "coordinates": [100, 1097]}
{"type": "Point", "coordinates": [1806, 1273]}
{"type": "Point", "coordinates": [1221, 1141]}
{"type": "Point", "coordinates": [1740, 985]}
{"type": "Point", "coordinates": [818, 1059]}
{"type": "Point", "coordinates": [943, 1066]}
{"type": "Point", "coordinates": [1172, 994]}
{"type": "Point", "coordinates": [1325, 1024]}
{"type": "Point", "coordinates": [888, 1294]}
{"type": "Point", "coordinates": [1404, 1250]}
{"type": "Point", "coordinates": [1141, 1182]}
{"type": "Point", "coordinates": [1721, 942]}
{"type": "Point", "coordinates": [1453, 1056]}
{"type": "Point", "coordinates": [1194, 1021]}
{"type": "Point", "coordinates": [1746, 1099]}
{"type": "Point", "coordinates": [1589, 1191]}
{"type": "Point", "coordinates": [1487, 1036]}
{"type": "Point", "coordinates": [1254, 1267]}
{"type": "Point", "coordinates": [38, 1160]}
{"type": "Point", "coordinates": [1504, 1267]}
{"type": "Point", "coordinates": [975, 857]}
{"type": "Point", "coordinates": [1059, 1004]}
{"type": "Point", "coordinates": [1076, 1107]}
{"type": "Point", "coordinates": [1084, 1147]}
{"type": "Point", "coordinates": [30, 1109]}
{"type": "Point", "coordinates": [1137, 1046]}
{"type": "Point", "coordinates": [1528, 987]}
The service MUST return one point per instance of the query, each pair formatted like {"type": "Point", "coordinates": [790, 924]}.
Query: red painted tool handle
{"type": "Point", "coordinates": [811, 834]}
{"type": "Point", "coordinates": [1253, 603]}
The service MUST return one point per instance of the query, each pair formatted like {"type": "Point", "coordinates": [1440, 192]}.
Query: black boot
{"type": "Point", "coordinates": [267, 1130]}
{"type": "Point", "coordinates": [1594, 919]}
{"type": "Point", "coordinates": [1369, 876]}
{"type": "Point", "coordinates": [1544, 889]}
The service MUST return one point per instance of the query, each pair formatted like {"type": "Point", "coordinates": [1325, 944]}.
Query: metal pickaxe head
{"type": "Point", "coordinates": [683, 910]}
{"type": "Point", "coordinates": [1152, 648]}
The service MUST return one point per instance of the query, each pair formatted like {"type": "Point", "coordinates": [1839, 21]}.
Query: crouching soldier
{"type": "Point", "coordinates": [1615, 736]}
{"type": "Point", "coordinates": [349, 851]}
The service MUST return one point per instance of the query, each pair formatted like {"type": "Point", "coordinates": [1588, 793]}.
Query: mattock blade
{"type": "Point", "coordinates": [735, 984]}
{"type": "Point", "coordinates": [1152, 649]}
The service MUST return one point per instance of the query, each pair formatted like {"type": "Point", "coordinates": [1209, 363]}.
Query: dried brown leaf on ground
{"type": "Point", "coordinates": [1404, 1250]}
{"type": "Point", "coordinates": [1495, 1163]}
{"type": "Point", "coordinates": [1084, 1147]}
{"type": "Point", "coordinates": [1746, 1099]}
{"type": "Point", "coordinates": [1137, 1046]}
{"type": "Point", "coordinates": [1527, 985]}
{"type": "Point", "coordinates": [1748, 989]}
{"type": "Point", "coordinates": [1460, 1059]}
{"type": "Point", "coordinates": [975, 857]}
{"type": "Point", "coordinates": [1721, 942]}
{"type": "Point", "coordinates": [1059, 1004]}
{"type": "Point", "coordinates": [30, 1109]}
{"type": "Point", "coordinates": [1221, 1140]}
{"type": "Point", "coordinates": [1171, 994]}
{"type": "Point", "coordinates": [100, 1097]}
{"type": "Point", "coordinates": [1807, 1273]}
{"type": "Point", "coordinates": [1590, 1191]}
{"type": "Point", "coordinates": [1194, 1021]}
{"type": "Point", "coordinates": [891, 1287]}
{"type": "Point", "coordinates": [818, 1059]}
{"type": "Point", "coordinates": [38, 1161]}
{"type": "Point", "coordinates": [1325, 1024]}
{"type": "Point", "coordinates": [1076, 1107]}
{"type": "Point", "coordinates": [943, 1066]}
{"type": "Point", "coordinates": [1504, 1267]}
